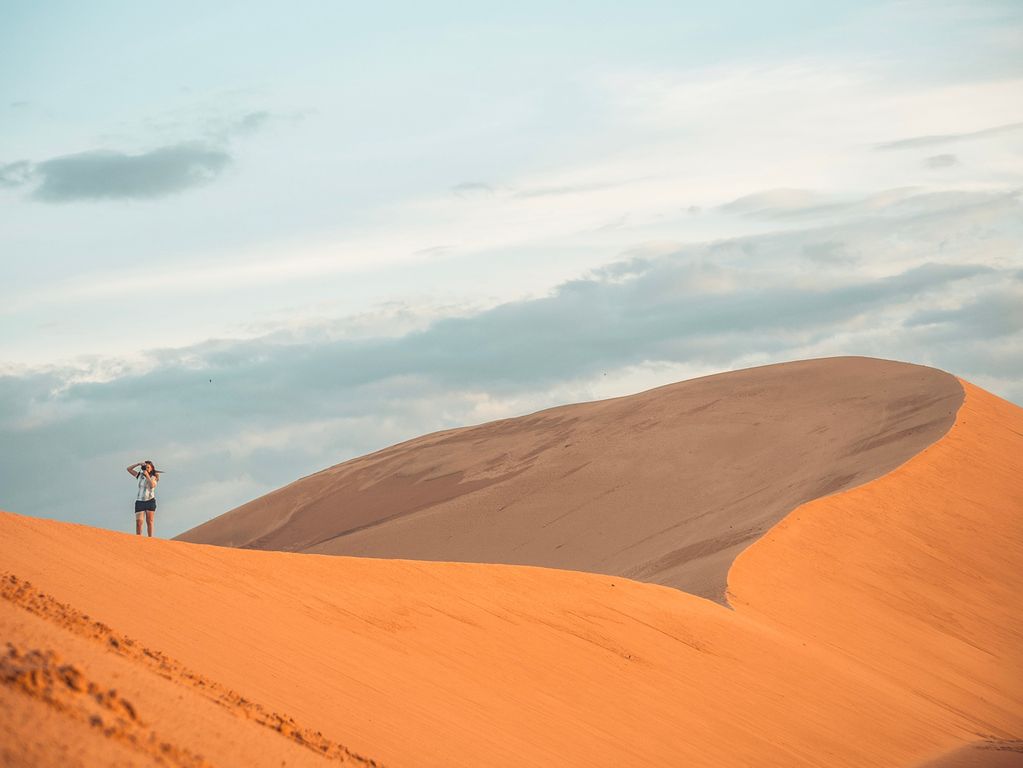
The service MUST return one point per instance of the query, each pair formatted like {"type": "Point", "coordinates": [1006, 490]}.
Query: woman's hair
{"type": "Point", "coordinates": [149, 465]}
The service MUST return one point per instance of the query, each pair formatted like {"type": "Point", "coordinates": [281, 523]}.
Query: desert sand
{"type": "Point", "coordinates": [666, 486]}
{"type": "Point", "coordinates": [989, 753]}
{"type": "Point", "coordinates": [879, 626]}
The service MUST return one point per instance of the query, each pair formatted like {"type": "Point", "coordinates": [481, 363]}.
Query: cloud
{"type": "Point", "coordinates": [796, 204]}
{"type": "Point", "coordinates": [16, 174]}
{"type": "Point", "coordinates": [789, 203]}
{"type": "Point", "coordinates": [940, 161]}
{"type": "Point", "coordinates": [828, 252]}
{"type": "Point", "coordinates": [225, 128]}
{"type": "Point", "coordinates": [251, 122]}
{"type": "Point", "coordinates": [776, 202]}
{"type": "Point", "coordinates": [949, 138]}
{"type": "Point", "coordinates": [995, 313]}
{"type": "Point", "coordinates": [480, 189]}
{"type": "Point", "coordinates": [434, 250]}
{"type": "Point", "coordinates": [105, 175]}
{"type": "Point", "coordinates": [472, 189]}
{"type": "Point", "coordinates": [115, 175]}
{"type": "Point", "coordinates": [568, 189]}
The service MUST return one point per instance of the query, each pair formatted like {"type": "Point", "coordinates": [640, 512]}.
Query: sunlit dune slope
{"type": "Point", "coordinates": [917, 576]}
{"type": "Point", "coordinates": [437, 664]}
{"type": "Point", "coordinates": [666, 486]}
{"type": "Point", "coordinates": [878, 627]}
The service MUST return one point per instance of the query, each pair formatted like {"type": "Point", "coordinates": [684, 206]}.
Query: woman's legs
{"type": "Point", "coordinates": [150, 514]}
{"type": "Point", "coordinates": [138, 523]}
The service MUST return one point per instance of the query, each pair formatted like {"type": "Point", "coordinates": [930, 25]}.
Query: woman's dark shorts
{"type": "Point", "coordinates": [145, 506]}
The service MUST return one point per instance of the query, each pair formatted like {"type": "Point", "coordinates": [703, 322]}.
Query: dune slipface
{"type": "Point", "coordinates": [666, 486]}
{"type": "Point", "coordinates": [875, 627]}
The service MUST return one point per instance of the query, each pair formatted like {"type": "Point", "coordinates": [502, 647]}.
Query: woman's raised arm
{"type": "Point", "coordinates": [131, 468]}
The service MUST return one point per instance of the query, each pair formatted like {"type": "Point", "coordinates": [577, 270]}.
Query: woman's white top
{"type": "Point", "coordinates": [145, 492]}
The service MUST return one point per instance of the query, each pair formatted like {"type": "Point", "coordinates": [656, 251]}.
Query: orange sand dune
{"type": "Point", "coordinates": [916, 576]}
{"type": "Point", "coordinates": [877, 627]}
{"type": "Point", "coordinates": [666, 486]}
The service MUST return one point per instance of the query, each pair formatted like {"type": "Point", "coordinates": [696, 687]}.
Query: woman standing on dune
{"type": "Point", "coordinates": [145, 501]}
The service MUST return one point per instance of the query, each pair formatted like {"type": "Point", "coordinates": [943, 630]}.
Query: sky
{"type": "Point", "coordinates": [252, 240]}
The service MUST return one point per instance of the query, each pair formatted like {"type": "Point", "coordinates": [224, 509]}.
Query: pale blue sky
{"type": "Point", "coordinates": [367, 223]}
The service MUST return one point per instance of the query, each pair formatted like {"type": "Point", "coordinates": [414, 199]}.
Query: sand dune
{"type": "Point", "coordinates": [925, 564]}
{"type": "Point", "coordinates": [876, 627]}
{"type": "Point", "coordinates": [666, 486]}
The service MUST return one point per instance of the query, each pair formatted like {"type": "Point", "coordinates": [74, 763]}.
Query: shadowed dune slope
{"type": "Point", "coordinates": [877, 627]}
{"type": "Point", "coordinates": [994, 753]}
{"type": "Point", "coordinates": [666, 486]}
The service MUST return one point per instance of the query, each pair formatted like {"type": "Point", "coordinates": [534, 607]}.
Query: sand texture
{"type": "Point", "coordinates": [876, 627]}
{"type": "Point", "coordinates": [990, 753]}
{"type": "Point", "coordinates": [666, 486]}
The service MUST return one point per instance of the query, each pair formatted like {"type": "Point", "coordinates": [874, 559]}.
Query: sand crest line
{"type": "Point", "coordinates": [22, 594]}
